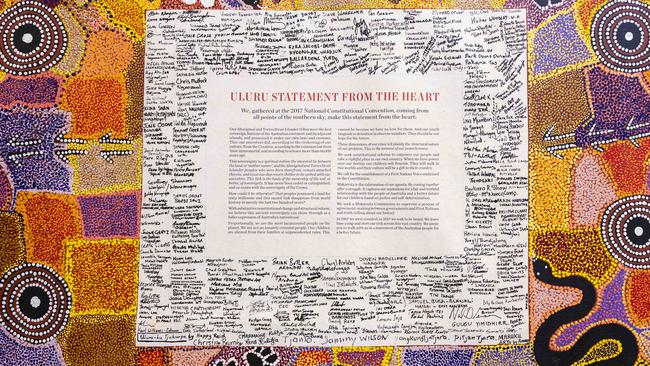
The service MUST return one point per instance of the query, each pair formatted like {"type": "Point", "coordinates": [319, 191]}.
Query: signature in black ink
{"type": "Point", "coordinates": [392, 66]}
{"type": "Point", "coordinates": [282, 315]}
{"type": "Point", "coordinates": [469, 312]}
{"type": "Point", "coordinates": [259, 306]}
{"type": "Point", "coordinates": [361, 28]}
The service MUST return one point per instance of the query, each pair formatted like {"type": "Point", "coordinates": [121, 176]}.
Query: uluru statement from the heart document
{"type": "Point", "coordinates": [334, 178]}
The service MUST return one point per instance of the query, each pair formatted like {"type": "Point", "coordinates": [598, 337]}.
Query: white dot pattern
{"type": "Point", "coordinates": [615, 234]}
{"type": "Point", "coordinates": [47, 53]}
{"type": "Point", "coordinates": [29, 329]}
{"type": "Point", "coordinates": [605, 27]}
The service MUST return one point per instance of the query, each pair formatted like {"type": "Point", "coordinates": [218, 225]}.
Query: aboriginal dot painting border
{"type": "Point", "coordinates": [71, 96]}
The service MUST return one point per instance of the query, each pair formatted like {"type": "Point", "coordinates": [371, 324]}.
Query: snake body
{"type": "Point", "coordinates": [541, 346]}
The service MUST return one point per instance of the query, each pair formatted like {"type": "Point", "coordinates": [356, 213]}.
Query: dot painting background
{"type": "Point", "coordinates": [71, 95]}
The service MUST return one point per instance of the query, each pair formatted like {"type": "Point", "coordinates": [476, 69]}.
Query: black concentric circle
{"type": "Point", "coordinates": [36, 303]}
{"type": "Point", "coordinates": [620, 35]}
{"type": "Point", "coordinates": [625, 229]}
{"type": "Point", "coordinates": [32, 38]}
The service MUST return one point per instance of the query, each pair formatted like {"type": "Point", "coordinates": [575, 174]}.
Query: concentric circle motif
{"type": "Point", "coordinates": [620, 35]}
{"type": "Point", "coordinates": [32, 38]}
{"type": "Point", "coordinates": [36, 303]}
{"type": "Point", "coordinates": [626, 231]}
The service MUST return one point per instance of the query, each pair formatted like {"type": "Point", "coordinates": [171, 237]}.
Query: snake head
{"type": "Point", "coordinates": [542, 269]}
